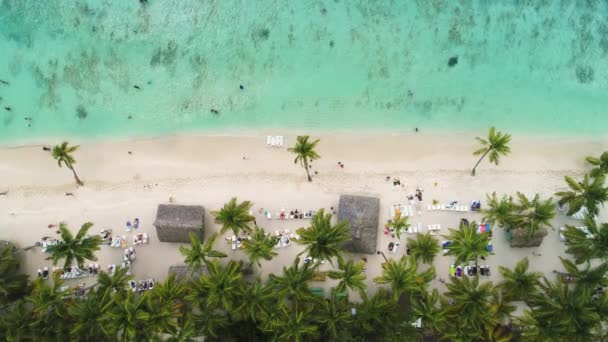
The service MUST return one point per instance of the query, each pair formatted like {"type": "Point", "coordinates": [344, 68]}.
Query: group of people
{"type": "Point", "coordinates": [143, 285]}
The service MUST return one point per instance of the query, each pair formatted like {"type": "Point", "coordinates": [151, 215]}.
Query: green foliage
{"type": "Point", "coordinates": [587, 278]}
{"type": "Point", "coordinates": [221, 287]}
{"type": "Point", "coordinates": [322, 239]}
{"type": "Point", "coordinates": [403, 276]}
{"type": "Point", "coordinates": [589, 193]}
{"type": "Point", "coordinates": [350, 275]}
{"type": "Point", "coordinates": [467, 244]}
{"type": "Point", "coordinates": [519, 284]}
{"type": "Point", "coordinates": [500, 211]}
{"type": "Point", "coordinates": [429, 308]}
{"type": "Point", "coordinates": [13, 285]}
{"type": "Point", "coordinates": [80, 247]}
{"type": "Point", "coordinates": [305, 152]}
{"type": "Point", "coordinates": [63, 155]}
{"type": "Point", "coordinates": [198, 253]}
{"type": "Point", "coordinates": [586, 248]}
{"type": "Point", "coordinates": [234, 216]}
{"type": "Point", "coordinates": [424, 248]}
{"type": "Point", "coordinates": [496, 145]}
{"type": "Point", "coordinates": [399, 224]}
{"type": "Point", "coordinates": [534, 214]}
{"type": "Point", "coordinates": [601, 164]}
{"type": "Point", "coordinates": [260, 247]}
{"type": "Point", "coordinates": [293, 284]}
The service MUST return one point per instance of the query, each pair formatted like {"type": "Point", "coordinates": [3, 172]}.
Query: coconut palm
{"type": "Point", "coordinates": [15, 322]}
{"type": "Point", "coordinates": [403, 276]}
{"type": "Point", "coordinates": [50, 309]}
{"type": "Point", "coordinates": [293, 326]}
{"type": "Point", "coordinates": [13, 285]}
{"type": "Point", "coordinates": [588, 277]}
{"type": "Point", "coordinates": [423, 248]}
{"type": "Point", "coordinates": [471, 308]}
{"type": "Point", "coordinates": [63, 155]}
{"type": "Point", "coordinates": [256, 300]}
{"type": "Point", "coordinates": [260, 247]}
{"type": "Point", "coordinates": [234, 216]}
{"type": "Point", "coordinates": [500, 211]}
{"type": "Point", "coordinates": [199, 253]}
{"type": "Point", "coordinates": [568, 311]}
{"type": "Point", "coordinates": [350, 276]}
{"type": "Point", "coordinates": [496, 145]}
{"type": "Point", "coordinates": [305, 152]}
{"type": "Point", "coordinates": [109, 285]}
{"type": "Point", "coordinates": [534, 214]}
{"type": "Point", "coordinates": [399, 224]}
{"type": "Point", "coordinates": [222, 287]}
{"type": "Point", "coordinates": [428, 308]}
{"type": "Point", "coordinates": [80, 247]}
{"type": "Point", "coordinates": [89, 319]}
{"type": "Point", "coordinates": [186, 331]}
{"type": "Point", "coordinates": [334, 316]}
{"type": "Point", "coordinates": [585, 246]}
{"type": "Point", "coordinates": [293, 284]}
{"type": "Point", "coordinates": [535, 330]}
{"type": "Point", "coordinates": [467, 244]}
{"type": "Point", "coordinates": [170, 292]}
{"type": "Point", "coordinates": [601, 163]}
{"type": "Point", "coordinates": [322, 239]}
{"type": "Point", "coordinates": [371, 323]}
{"type": "Point", "coordinates": [589, 193]}
{"type": "Point", "coordinates": [128, 317]}
{"type": "Point", "coordinates": [519, 283]}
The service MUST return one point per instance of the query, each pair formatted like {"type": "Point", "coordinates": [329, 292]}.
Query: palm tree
{"type": "Point", "coordinates": [260, 247]}
{"type": "Point", "coordinates": [585, 246]}
{"type": "Point", "coordinates": [496, 145]}
{"type": "Point", "coordinates": [13, 285]}
{"type": "Point", "coordinates": [222, 287]}
{"type": "Point", "coordinates": [471, 308]}
{"type": "Point", "coordinates": [403, 276]}
{"type": "Point", "coordinates": [114, 284]}
{"type": "Point", "coordinates": [89, 319]}
{"type": "Point", "coordinates": [322, 239]}
{"type": "Point", "coordinates": [533, 214]}
{"type": "Point", "coordinates": [467, 244]}
{"type": "Point", "coordinates": [428, 309]}
{"type": "Point", "coordinates": [350, 276]}
{"type": "Point", "coordinates": [49, 310]}
{"type": "Point", "coordinates": [518, 283]}
{"type": "Point", "coordinates": [15, 322]}
{"type": "Point", "coordinates": [294, 282]}
{"type": "Point", "coordinates": [500, 211]}
{"type": "Point", "coordinates": [568, 312]}
{"type": "Point", "coordinates": [601, 163]}
{"type": "Point", "coordinates": [80, 247]}
{"type": "Point", "coordinates": [589, 278]}
{"type": "Point", "coordinates": [234, 217]}
{"type": "Point", "coordinates": [371, 323]}
{"type": "Point", "coordinates": [128, 316]}
{"type": "Point", "coordinates": [305, 152]}
{"type": "Point", "coordinates": [423, 248]}
{"type": "Point", "coordinates": [199, 253]}
{"type": "Point", "coordinates": [399, 223]}
{"type": "Point", "coordinates": [334, 316]}
{"type": "Point", "coordinates": [293, 326]}
{"type": "Point", "coordinates": [63, 155]}
{"type": "Point", "coordinates": [256, 300]}
{"type": "Point", "coordinates": [588, 194]}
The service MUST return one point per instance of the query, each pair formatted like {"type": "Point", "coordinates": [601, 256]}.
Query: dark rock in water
{"type": "Point", "coordinates": [453, 61]}
{"type": "Point", "coordinates": [81, 112]}
{"type": "Point", "coordinates": [264, 33]}
{"type": "Point", "coordinates": [331, 43]}
{"type": "Point", "coordinates": [585, 74]}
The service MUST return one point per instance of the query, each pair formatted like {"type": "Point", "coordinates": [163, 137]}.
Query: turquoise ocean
{"type": "Point", "coordinates": [529, 66]}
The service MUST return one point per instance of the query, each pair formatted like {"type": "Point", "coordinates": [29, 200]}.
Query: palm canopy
{"type": "Point", "coordinates": [350, 276]}
{"type": "Point", "coordinates": [293, 284]}
{"type": "Point", "coordinates": [424, 248]}
{"type": "Point", "coordinates": [467, 244]}
{"type": "Point", "coordinates": [533, 214]}
{"type": "Point", "coordinates": [80, 247]}
{"type": "Point", "coordinates": [260, 247]}
{"type": "Point", "coordinates": [500, 211]}
{"type": "Point", "coordinates": [472, 303]}
{"type": "Point", "coordinates": [49, 310]}
{"type": "Point", "coordinates": [109, 285]}
{"type": "Point", "coordinates": [257, 300]}
{"type": "Point", "coordinates": [199, 253]}
{"type": "Point", "coordinates": [496, 145]}
{"type": "Point", "coordinates": [403, 276]}
{"type": "Point", "coordinates": [519, 283]}
{"type": "Point", "coordinates": [63, 155]}
{"type": "Point", "coordinates": [428, 308]}
{"type": "Point", "coordinates": [399, 223]}
{"type": "Point", "coordinates": [568, 312]}
{"type": "Point", "coordinates": [234, 216]}
{"type": "Point", "coordinates": [585, 246]}
{"type": "Point", "coordinates": [293, 326]}
{"type": "Point", "coordinates": [588, 277]}
{"type": "Point", "coordinates": [335, 317]}
{"type": "Point", "coordinates": [322, 239]}
{"type": "Point", "coordinates": [589, 193]}
{"type": "Point", "coordinates": [89, 316]}
{"type": "Point", "coordinates": [13, 284]}
{"type": "Point", "coordinates": [305, 152]}
{"type": "Point", "coordinates": [601, 164]}
{"type": "Point", "coordinates": [128, 316]}
{"type": "Point", "coordinates": [222, 287]}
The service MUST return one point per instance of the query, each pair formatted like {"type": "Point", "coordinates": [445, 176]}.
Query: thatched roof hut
{"type": "Point", "coordinates": [184, 273]}
{"type": "Point", "coordinates": [174, 223]}
{"type": "Point", "coordinates": [521, 238]}
{"type": "Point", "coordinates": [362, 213]}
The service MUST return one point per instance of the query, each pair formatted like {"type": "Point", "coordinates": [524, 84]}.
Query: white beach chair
{"type": "Point", "coordinates": [429, 207]}
{"type": "Point", "coordinates": [279, 141]}
{"type": "Point", "coordinates": [273, 141]}
{"type": "Point", "coordinates": [268, 141]}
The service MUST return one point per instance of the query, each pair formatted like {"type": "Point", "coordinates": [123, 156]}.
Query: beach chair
{"type": "Point", "coordinates": [452, 270]}
{"type": "Point", "coordinates": [279, 141]}
{"type": "Point", "coordinates": [273, 141]}
{"type": "Point", "coordinates": [268, 215]}
{"type": "Point", "coordinates": [268, 141]}
{"type": "Point", "coordinates": [429, 207]}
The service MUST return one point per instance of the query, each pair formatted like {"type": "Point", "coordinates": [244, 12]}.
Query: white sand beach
{"type": "Point", "coordinates": [209, 170]}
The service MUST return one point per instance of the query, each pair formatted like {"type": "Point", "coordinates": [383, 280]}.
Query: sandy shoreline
{"type": "Point", "coordinates": [208, 170]}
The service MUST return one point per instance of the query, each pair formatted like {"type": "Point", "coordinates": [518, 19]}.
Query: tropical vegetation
{"type": "Point", "coordinates": [466, 244]}
{"type": "Point", "coordinates": [496, 145]}
{"type": "Point", "coordinates": [79, 248]}
{"type": "Point", "coordinates": [590, 193]}
{"type": "Point", "coordinates": [305, 153]}
{"type": "Point", "coordinates": [324, 240]}
{"type": "Point", "coordinates": [601, 165]}
{"type": "Point", "coordinates": [234, 217]}
{"type": "Point", "coordinates": [63, 155]}
{"type": "Point", "coordinates": [423, 248]}
{"type": "Point", "coordinates": [588, 243]}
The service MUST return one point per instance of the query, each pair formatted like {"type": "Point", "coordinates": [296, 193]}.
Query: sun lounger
{"type": "Point", "coordinates": [459, 272]}
{"type": "Point", "coordinates": [490, 247]}
{"type": "Point", "coordinates": [452, 270]}
{"type": "Point", "coordinates": [279, 141]}
{"type": "Point", "coordinates": [445, 246]}
{"type": "Point", "coordinates": [273, 141]}
{"type": "Point", "coordinates": [268, 215]}
{"type": "Point", "coordinates": [268, 141]}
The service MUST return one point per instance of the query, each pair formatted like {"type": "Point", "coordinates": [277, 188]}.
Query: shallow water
{"type": "Point", "coordinates": [525, 66]}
